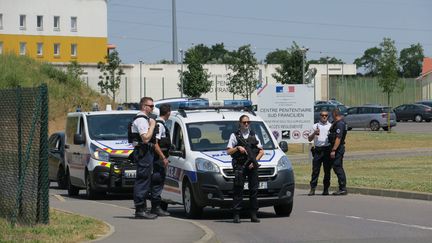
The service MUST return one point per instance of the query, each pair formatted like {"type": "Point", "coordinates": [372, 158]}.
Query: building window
{"type": "Point", "coordinates": [39, 50]}
{"type": "Point", "coordinates": [74, 24]}
{"type": "Point", "coordinates": [73, 50]}
{"type": "Point", "coordinates": [56, 23]}
{"type": "Point", "coordinates": [57, 49]}
{"type": "Point", "coordinates": [1, 48]}
{"type": "Point", "coordinates": [39, 22]}
{"type": "Point", "coordinates": [23, 48]}
{"type": "Point", "coordinates": [1, 21]}
{"type": "Point", "coordinates": [22, 22]}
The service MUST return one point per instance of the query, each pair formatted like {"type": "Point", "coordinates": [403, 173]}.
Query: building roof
{"type": "Point", "coordinates": [427, 67]}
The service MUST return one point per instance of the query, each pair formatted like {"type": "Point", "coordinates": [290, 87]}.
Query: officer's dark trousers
{"type": "Point", "coordinates": [337, 164]}
{"type": "Point", "coordinates": [143, 178]}
{"type": "Point", "coordinates": [157, 183]}
{"type": "Point", "coordinates": [321, 156]}
{"type": "Point", "coordinates": [252, 176]}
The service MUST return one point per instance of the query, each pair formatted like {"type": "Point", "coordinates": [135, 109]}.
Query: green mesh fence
{"type": "Point", "coordinates": [355, 91]}
{"type": "Point", "coordinates": [24, 180]}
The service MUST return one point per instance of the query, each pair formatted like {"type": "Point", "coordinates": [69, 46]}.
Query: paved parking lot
{"type": "Point", "coordinates": [408, 127]}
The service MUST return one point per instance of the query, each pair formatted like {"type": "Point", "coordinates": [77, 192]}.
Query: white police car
{"type": "Point", "coordinates": [200, 173]}
{"type": "Point", "coordinates": [96, 152]}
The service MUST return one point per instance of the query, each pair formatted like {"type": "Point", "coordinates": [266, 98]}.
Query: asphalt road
{"type": "Point", "coordinates": [352, 218]}
{"type": "Point", "coordinates": [407, 127]}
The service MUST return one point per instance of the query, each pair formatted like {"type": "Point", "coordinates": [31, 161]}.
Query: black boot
{"type": "Point", "coordinates": [141, 213]}
{"type": "Point", "coordinates": [159, 211]}
{"type": "Point", "coordinates": [254, 217]}
{"type": "Point", "coordinates": [311, 192]}
{"type": "Point", "coordinates": [325, 192]}
{"type": "Point", "coordinates": [236, 218]}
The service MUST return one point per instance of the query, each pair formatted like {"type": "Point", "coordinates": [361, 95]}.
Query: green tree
{"type": "Point", "coordinates": [387, 69]}
{"type": "Point", "coordinates": [326, 60]}
{"type": "Point", "coordinates": [74, 70]}
{"type": "Point", "coordinates": [198, 53]}
{"type": "Point", "coordinates": [243, 66]}
{"type": "Point", "coordinates": [277, 57]}
{"type": "Point", "coordinates": [196, 80]}
{"type": "Point", "coordinates": [410, 61]}
{"type": "Point", "coordinates": [291, 69]}
{"type": "Point", "coordinates": [216, 54]}
{"type": "Point", "coordinates": [109, 81]}
{"type": "Point", "coordinates": [369, 61]}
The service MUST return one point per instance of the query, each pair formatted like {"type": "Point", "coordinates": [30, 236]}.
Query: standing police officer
{"type": "Point", "coordinates": [142, 130]}
{"type": "Point", "coordinates": [245, 148]}
{"type": "Point", "coordinates": [321, 153]}
{"type": "Point", "coordinates": [336, 137]}
{"type": "Point", "coordinates": [162, 146]}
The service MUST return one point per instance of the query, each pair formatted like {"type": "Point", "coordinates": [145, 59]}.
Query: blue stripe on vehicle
{"type": "Point", "coordinates": [229, 161]}
{"type": "Point", "coordinates": [192, 175]}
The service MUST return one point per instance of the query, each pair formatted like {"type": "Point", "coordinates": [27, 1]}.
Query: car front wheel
{"type": "Point", "coordinates": [374, 126]}
{"type": "Point", "coordinates": [191, 208]}
{"type": "Point", "coordinates": [418, 118]}
{"type": "Point", "coordinates": [283, 209]}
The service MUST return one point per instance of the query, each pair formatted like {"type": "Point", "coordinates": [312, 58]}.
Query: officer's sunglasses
{"type": "Point", "coordinates": [324, 115]}
{"type": "Point", "coordinates": [151, 106]}
{"type": "Point", "coordinates": [245, 122]}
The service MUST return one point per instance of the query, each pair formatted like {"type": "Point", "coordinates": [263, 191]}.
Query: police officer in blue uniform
{"type": "Point", "coordinates": [337, 134]}
{"type": "Point", "coordinates": [143, 155]}
{"type": "Point", "coordinates": [162, 147]}
{"type": "Point", "coordinates": [245, 148]}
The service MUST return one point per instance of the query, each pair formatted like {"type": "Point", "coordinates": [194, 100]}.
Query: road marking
{"type": "Point", "coordinates": [375, 220]}
{"type": "Point", "coordinates": [59, 197]}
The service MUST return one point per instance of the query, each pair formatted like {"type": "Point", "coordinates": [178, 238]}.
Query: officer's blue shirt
{"type": "Point", "coordinates": [340, 130]}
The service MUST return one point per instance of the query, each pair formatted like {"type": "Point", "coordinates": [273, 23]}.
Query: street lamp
{"type": "Point", "coordinates": [140, 62]}
{"type": "Point", "coordinates": [303, 51]}
{"type": "Point", "coordinates": [181, 73]}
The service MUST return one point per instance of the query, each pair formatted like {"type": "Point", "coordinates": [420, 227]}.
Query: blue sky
{"type": "Point", "coordinates": [141, 29]}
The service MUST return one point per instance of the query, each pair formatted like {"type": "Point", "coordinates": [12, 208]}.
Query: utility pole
{"type": "Point", "coordinates": [303, 51]}
{"type": "Point", "coordinates": [174, 32]}
{"type": "Point", "coordinates": [140, 62]}
{"type": "Point", "coordinates": [181, 73]}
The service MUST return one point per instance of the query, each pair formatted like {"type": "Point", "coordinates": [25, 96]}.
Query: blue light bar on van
{"type": "Point", "coordinates": [246, 103]}
{"type": "Point", "coordinates": [193, 103]}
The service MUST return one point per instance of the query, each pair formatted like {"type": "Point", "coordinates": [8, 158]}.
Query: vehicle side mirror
{"type": "Point", "coordinates": [284, 146]}
{"type": "Point", "coordinates": [177, 153]}
{"type": "Point", "coordinates": [79, 139]}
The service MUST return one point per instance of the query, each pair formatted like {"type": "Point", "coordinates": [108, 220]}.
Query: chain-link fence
{"type": "Point", "coordinates": [354, 91]}
{"type": "Point", "coordinates": [24, 180]}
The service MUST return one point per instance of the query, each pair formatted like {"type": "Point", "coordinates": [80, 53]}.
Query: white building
{"type": "Point", "coordinates": [161, 80]}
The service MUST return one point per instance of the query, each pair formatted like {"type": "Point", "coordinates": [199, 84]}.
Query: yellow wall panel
{"type": "Point", "coordinates": [89, 49]}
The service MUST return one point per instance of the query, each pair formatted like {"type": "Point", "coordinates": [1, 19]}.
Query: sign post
{"type": "Point", "coordinates": [288, 111]}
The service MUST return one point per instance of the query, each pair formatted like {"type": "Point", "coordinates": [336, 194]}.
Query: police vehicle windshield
{"type": "Point", "coordinates": [214, 136]}
{"type": "Point", "coordinates": [109, 126]}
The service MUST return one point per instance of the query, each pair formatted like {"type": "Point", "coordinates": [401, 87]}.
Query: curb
{"type": "Point", "coordinates": [111, 227]}
{"type": "Point", "coordinates": [209, 236]}
{"type": "Point", "coordinates": [377, 192]}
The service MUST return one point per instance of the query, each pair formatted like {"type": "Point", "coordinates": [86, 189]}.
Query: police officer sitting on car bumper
{"type": "Point", "coordinates": [321, 153]}
{"type": "Point", "coordinates": [245, 149]}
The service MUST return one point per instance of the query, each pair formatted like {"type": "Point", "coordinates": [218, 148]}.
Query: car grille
{"type": "Point", "coordinates": [262, 172]}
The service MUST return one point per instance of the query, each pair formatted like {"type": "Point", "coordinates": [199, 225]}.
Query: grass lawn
{"type": "Point", "coordinates": [409, 174]}
{"type": "Point", "coordinates": [63, 227]}
{"type": "Point", "coordinates": [367, 140]}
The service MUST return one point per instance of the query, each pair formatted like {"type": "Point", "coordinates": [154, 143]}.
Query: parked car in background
{"type": "Point", "coordinates": [56, 161]}
{"type": "Point", "coordinates": [414, 112]}
{"type": "Point", "coordinates": [327, 107]}
{"type": "Point", "coordinates": [370, 116]}
{"type": "Point", "coordinates": [425, 102]}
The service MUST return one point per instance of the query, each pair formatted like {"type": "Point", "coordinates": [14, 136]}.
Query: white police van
{"type": "Point", "coordinates": [200, 173]}
{"type": "Point", "coordinates": [96, 152]}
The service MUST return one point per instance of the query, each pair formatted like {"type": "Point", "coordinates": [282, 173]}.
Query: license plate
{"type": "Point", "coordinates": [262, 185]}
{"type": "Point", "coordinates": [130, 173]}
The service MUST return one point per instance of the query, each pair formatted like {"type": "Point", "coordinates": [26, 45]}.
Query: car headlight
{"type": "Point", "coordinates": [284, 163]}
{"type": "Point", "coordinates": [99, 154]}
{"type": "Point", "coordinates": [204, 165]}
